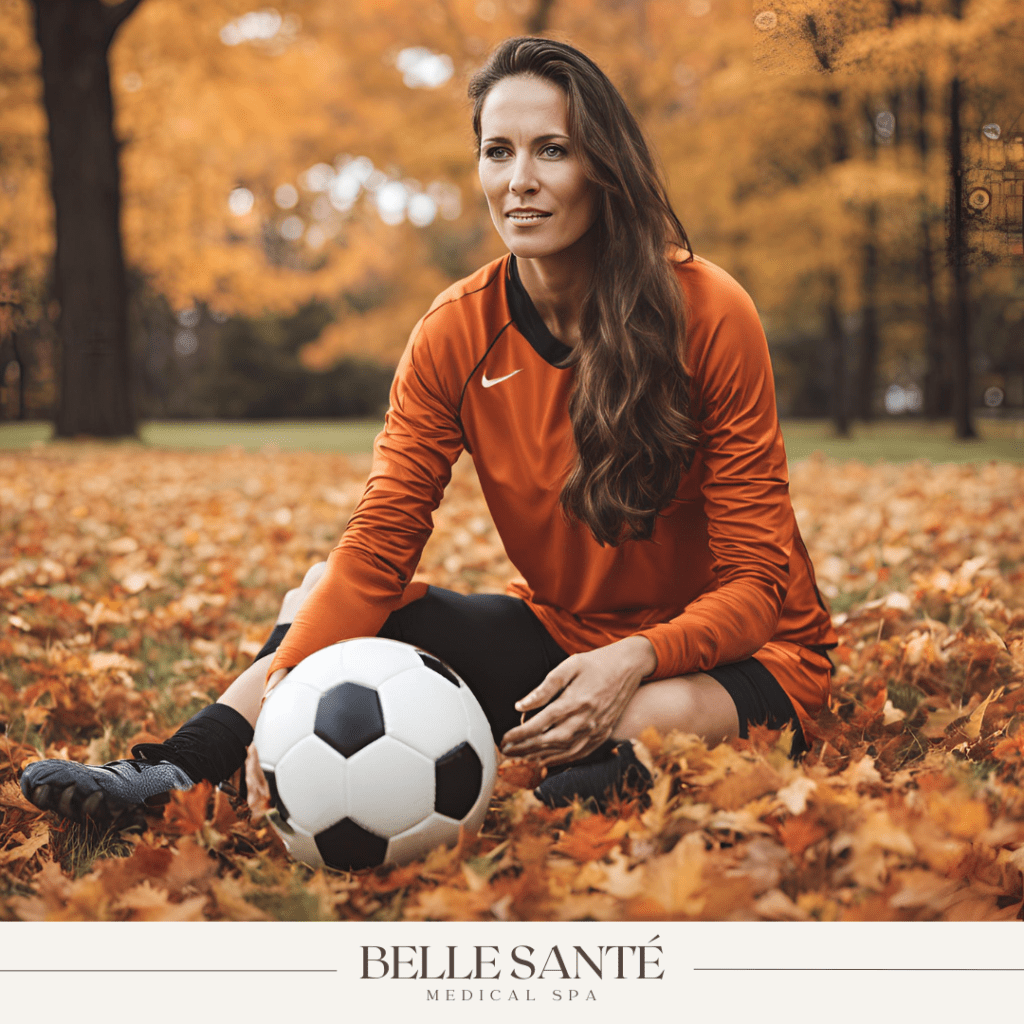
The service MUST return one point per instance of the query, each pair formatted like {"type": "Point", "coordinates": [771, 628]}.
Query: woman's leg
{"type": "Point", "coordinates": [716, 705]}
{"type": "Point", "coordinates": [245, 694]}
{"type": "Point", "coordinates": [695, 703]}
{"type": "Point", "coordinates": [492, 641]}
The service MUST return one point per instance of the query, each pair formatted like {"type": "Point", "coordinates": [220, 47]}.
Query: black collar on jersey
{"type": "Point", "coordinates": [530, 323]}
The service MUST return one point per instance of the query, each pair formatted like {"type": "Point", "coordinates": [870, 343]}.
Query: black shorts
{"type": "Point", "coordinates": [502, 651]}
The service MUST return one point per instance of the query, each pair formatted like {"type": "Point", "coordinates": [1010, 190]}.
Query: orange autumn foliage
{"type": "Point", "coordinates": [733, 105]}
{"type": "Point", "coordinates": [118, 618]}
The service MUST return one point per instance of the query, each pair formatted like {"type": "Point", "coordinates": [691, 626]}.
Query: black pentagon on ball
{"type": "Point", "coordinates": [349, 717]}
{"type": "Point", "coordinates": [275, 797]}
{"type": "Point", "coordinates": [457, 778]}
{"type": "Point", "coordinates": [438, 666]}
{"type": "Point", "coordinates": [347, 846]}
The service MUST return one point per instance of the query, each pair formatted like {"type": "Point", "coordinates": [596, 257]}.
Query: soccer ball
{"type": "Point", "coordinates": [375, 752]}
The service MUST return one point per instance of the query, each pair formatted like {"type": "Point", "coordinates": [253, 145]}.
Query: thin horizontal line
{"type": "Point", "coordinates": [940, 969]}
{"type": "Point", "coordinates": [168, 970]}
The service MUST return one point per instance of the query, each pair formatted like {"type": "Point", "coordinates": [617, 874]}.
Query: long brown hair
{"type": "Point", "coordinates": [630, 403]}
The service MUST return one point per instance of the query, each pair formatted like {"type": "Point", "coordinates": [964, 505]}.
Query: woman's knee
{"type": "Point", "coordinates": [293, 598]}
{"type": "Point", "coordinates": [312, 577]}
{"type": "Point", "coordinates": [694, 703]}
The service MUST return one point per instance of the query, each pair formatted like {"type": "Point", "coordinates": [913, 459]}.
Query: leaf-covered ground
{"type": "Point", "coordinates": [134, 585]}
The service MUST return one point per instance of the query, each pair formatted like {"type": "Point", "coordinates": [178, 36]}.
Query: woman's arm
{"type": "Point", "coordinates": [368, 570]}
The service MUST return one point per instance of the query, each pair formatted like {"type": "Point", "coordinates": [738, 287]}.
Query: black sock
{"type": "Point", "coordinates": [597, 781]}
{"type": "Point", "coordinates": [274, 640]}
{"type": "Point", "coordinates": [211, 745]}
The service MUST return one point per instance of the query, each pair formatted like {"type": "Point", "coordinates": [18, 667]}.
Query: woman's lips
{"type": "Point", "coordinates": [524, 218]}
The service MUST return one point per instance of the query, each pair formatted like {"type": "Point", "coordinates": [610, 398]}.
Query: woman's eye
{"type": "Point", "coordinates": [497, 152]}
{"type": "Point", "coordinates": [553, 151]}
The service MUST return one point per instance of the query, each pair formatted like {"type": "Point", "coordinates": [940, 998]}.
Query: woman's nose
{"type": "Point", "coordinates": [524, 180]}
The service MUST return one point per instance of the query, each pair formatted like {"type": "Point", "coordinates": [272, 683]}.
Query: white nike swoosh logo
{"type": "Point", "coordinates": [497, 380]}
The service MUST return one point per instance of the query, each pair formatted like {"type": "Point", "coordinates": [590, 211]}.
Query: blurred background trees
{"type": "Point", "coordinates": [298, 182]}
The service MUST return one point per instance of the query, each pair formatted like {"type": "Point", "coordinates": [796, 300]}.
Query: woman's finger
{"type": "Point", "coordinates": [583, 746]}
{"type": "Point", "coordinates": [529, 731]}
{"type": "Point", "coordinates": [551, 715]}
{"type": "Point", "coordinates": [536, 737]}
{"type": "Point", "coordinates": [573, 749]}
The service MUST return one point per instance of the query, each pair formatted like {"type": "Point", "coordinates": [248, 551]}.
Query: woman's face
{"type": "Point", "coordinates": [540, 200]}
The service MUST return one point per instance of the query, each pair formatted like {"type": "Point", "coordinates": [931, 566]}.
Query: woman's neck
{"type": "Point", "coordinates": [557, 286]}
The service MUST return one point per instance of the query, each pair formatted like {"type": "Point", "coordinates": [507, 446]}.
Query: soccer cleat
{"type": "Point", "coordinates": [111, 795]}
{"type": "Point", "coordinates": [619, 775]}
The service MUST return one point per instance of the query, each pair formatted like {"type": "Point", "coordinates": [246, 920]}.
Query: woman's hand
{"type": "Point", "coordinates": [588, 693]}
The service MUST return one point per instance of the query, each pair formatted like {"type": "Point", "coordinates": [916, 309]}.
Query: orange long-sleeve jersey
{"type": "Point", "coordinates": [725, 574]}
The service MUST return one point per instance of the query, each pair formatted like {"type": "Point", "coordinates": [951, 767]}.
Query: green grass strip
{"type": "Point", "coordinates": [1000, 439]}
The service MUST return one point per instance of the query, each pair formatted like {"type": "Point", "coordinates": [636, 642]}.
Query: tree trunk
{"type": "Point", "coordinates": [74, 37]}
{"type": "Point", "coordinates": [5, 386]}
{"type": "Point", "coordinates": [936, 376]}
{"type": "Point", "coordinates": [22, 379]}
{"type": "Point", "coordinates": [867, 369]}
{"type": "Point", "coordinates": [961, 326]}
{"type": "Point", "coordinates": [10, 307]}
{"type": "Point", "coordinates": [937, 398]}
{"type": "Point", "coordinates": [836, 336]}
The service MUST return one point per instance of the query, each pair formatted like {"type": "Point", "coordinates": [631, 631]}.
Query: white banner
{"type": "Point", "coordinates": [587, 971]}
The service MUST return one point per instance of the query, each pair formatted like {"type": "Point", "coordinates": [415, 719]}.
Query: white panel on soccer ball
{"type": "Point", "coordinates": [302, 848]}
{"type": "Point", "coordinates": [321, 670]}
{"type": "Point", "coordinates": [390, 786]}
{"type": "Point", "coordinates": [423, 709]}
{"type": "Point", "coordinates": [312, 783]}
{"type": "Point", "coordinates": [423, 837]}
{"type": "Point", "coordinates": [475, 818]}
{"type": "Point", "coordinates": [482, 742]}
{"type": "Point", "coordinates": [287, 716]}
{"type": "Point", "coordinates": [371, 660]}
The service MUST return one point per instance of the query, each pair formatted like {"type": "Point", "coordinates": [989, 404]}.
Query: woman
{"type": "Point", "coordinates": [617, 400]}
